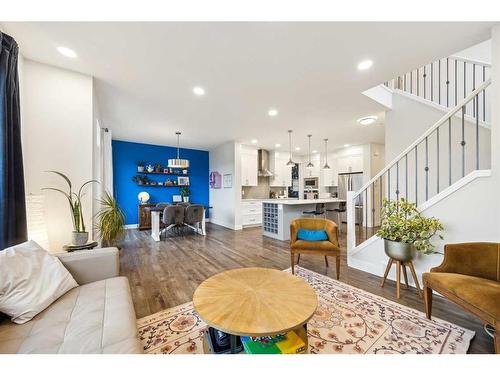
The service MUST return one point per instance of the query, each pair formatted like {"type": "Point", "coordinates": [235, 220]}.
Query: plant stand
{"type": "Point", "coordinates": [401, 266]}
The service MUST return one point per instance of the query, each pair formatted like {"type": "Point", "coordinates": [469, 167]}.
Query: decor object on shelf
{"type": "Point", "coordinates": [185, 192]}
{"type": "Point", "coordinates": [183, 181]}
{"type": "Point", "coordinates": [176, 198]}
{"type": "Point", "coordinates": [110, 221]}
{"type": "Point", "coordinates": [328, 247]}
{"type": "Point", "coordinates": [150, 168]}
{"type": "Point", "coordinates": [228, 181]}
{"type": "Point", "coordinates": [140, 166]}
{"type": "Point", "coordinates": [178, 163]}
{"type": "Point", "coordinates": [469, 277]}
{"type": "Point", "coordinates": [215, 180]}
{"type": "Point", "coordinates": [386, 331]}
{"type": "Point", "coordinates": [80, 235]}
{"type": "Point", "coordinates": [143, 197]}
{"type": "Point", "coordinates": [405, 231]}
{"type": "Point", "coordinates": [158, 168]}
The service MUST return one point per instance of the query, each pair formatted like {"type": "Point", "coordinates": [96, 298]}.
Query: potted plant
{"type": "Point", "coordinates": [185, 192]}
{"type": "Point", "coordinates": [158, 168]}
{"type": "Point", "coordinates": [140, 166]}
{"type": "Point", "coordinates": [137, 180]}
{"type": "Point", "coordinates": [110, 223]}
{"type": "Point", "coordinates": [150, 168]}
{"type": "Point", "coordinates": [405, 230]}
{"type": "Point", "coordinates": [80, 236]}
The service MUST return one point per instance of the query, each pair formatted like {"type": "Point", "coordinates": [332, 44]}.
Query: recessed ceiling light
{"type": "Point", "coordinates": [272, 112]}
{"type": "Point", "coordinates": [65, 51]}
{"type": "Point", "coordinates": [277, 145]}
{"type": "Point", "coordinates": [314, 151]}
{"type": "Point", "coordinates": [199, 91]}
{"type": "Point", "coordinates": [254, 141]}
{"type": "Point", "coordinates": [347, 145]}
{"type": "Point", "coordinates": [366, 64]}
{"type": "Point", "coordinates": [367, 120]}
{"type": "Point", "coordinates": [297, 148]}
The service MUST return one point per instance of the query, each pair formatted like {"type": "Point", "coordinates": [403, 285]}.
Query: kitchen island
{"type": "Point", "coordinates": [277, 215]}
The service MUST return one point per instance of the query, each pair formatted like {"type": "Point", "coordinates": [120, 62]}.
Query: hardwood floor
{"type": "Point", "coordinates": [165, 274]}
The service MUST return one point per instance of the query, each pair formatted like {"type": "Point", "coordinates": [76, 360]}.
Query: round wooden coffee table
{"type": "Point", "coordinates": [255, 302]}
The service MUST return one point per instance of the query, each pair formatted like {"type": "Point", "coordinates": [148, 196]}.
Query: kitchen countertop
{"type": "Point", "coordinates": [266, 199]}
{"type": "Point", "coordinates": [304, 201]}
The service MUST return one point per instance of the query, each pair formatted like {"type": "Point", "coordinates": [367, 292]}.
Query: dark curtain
{"type": "Point", "coordinates": [12, 198]}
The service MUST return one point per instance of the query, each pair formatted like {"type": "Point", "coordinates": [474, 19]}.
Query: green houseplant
{"type": "Point", "coordinates": [80, 236]}
{"type": "Point", "coordinates": [185, 192]}
{"type": "Point", "coordinates": [110, 223]}
{"type": "Point", "coordinates": [405, 230]}
{"type": "Point", "coordinates": [140, 166]}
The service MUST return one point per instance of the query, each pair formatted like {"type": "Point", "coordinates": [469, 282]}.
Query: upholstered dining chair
{"type": "Point", "coordinates": [328, 246]}
{"type": "Point", "coordinates": [173, 216]}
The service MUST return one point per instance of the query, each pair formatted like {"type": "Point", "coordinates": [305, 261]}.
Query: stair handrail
{"type": "Point", "coordinates": [471, 61]}
{"type": "Point", "coordinates": [427, 133]}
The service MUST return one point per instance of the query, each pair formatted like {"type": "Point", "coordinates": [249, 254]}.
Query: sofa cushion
{"type": "Point", "coordinates": [94, 318]}
{"type": "Point", "coordinates": [481, 293]}
{"type": "Point", "coordinates": [30, 280]}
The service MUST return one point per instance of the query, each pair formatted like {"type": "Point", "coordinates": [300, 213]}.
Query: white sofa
{"type": "Point", "coordinates": [96, 317]}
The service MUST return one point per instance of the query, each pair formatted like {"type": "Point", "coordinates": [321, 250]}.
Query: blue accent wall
{"type": "Point", "coordinates": [125, 158]}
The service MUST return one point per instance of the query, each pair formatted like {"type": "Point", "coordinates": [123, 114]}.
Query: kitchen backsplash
{"type": "Point", "coordinates": [261, 191]}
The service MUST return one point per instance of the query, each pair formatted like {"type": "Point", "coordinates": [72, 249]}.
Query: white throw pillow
{"type": "Point", "coordinates": [30, 280]}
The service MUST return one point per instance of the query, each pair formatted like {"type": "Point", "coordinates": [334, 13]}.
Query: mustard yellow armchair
{"type": "Point", "coordinates": [326, 248]}
{"type": "Point", "coordinates": [470, 277]}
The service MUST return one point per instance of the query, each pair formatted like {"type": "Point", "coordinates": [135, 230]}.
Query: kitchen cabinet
{"type": "Point", "coordinates": [282, 174]}
{"type": "Point", "coordinates": [249, 167]}
{"type": "Point", "coordinates": [350, 163]}
{"type": "Point", "coordinates": [251, 212]}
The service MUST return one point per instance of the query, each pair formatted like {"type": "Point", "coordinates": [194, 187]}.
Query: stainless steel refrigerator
{"type": "Point", "coordinates": [351, 182]}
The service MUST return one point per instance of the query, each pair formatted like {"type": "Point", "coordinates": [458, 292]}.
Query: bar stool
{"type": "Point", "coordinates": [318, 211]}
{"type": "Point", "coordinates": [338, 211]}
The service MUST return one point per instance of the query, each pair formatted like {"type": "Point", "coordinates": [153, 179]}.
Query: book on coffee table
{"type": "Point", "coordinates": [289, 343]}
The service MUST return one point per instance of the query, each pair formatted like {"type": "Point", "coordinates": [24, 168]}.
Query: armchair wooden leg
{"type": "Point", "coordinates": [428, 301]}
{"type": "Point", "coordinates": [292, 258]}
{"type": "Point", "coordinates": [497, 340]}
{"type": "Point", "coordinates": [337, 266]}
{"type": "Point", "coordinates": [326, 261]}
{"type": "Point", "coordinates": [387, 269]}
{"type": "Point", "coordinates": [298, 259]}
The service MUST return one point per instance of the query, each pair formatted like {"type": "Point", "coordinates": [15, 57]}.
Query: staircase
{"type": "Point", "coordinates": [452, 153]}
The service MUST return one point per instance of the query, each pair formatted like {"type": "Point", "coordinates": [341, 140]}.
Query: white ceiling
{"type": "Point", "coordinates": [308, 71]}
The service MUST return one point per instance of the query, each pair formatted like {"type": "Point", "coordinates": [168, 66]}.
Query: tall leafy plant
{"type": "Point", "coordinates": [402, 222]}
{"type": "Point", "coordinates": [110, 220]}
{"type": "Point", "coordinates": [74, 200]}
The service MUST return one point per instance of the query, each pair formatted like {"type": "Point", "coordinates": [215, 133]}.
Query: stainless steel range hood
{"type": "Point", "coordinates": [264, 164]}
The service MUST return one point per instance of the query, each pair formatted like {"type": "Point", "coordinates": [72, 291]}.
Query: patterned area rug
{"type": "Point", "coordinates": [348, 320]}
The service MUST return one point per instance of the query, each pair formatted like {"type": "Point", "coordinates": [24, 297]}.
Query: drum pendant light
{"type": "Point", "coordinates": [178, 163]}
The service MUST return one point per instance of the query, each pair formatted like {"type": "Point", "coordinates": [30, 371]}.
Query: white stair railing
{"type": "Point", "coordinates": [445, 153]}
{"type": "Point", "coordinates": [447, 82]}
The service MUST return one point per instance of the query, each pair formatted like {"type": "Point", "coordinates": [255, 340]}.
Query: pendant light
{"type": "Point", "coordinates": [309, 165]}
{"type": "Point", "coordinates": [178, 163]}
{"type": "Point", "coordinates": [290, 162]}
{"type": "Point", "coordinates": [326, 166]}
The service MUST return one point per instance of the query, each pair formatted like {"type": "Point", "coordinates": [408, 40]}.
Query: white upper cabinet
{"type": "Point", "coordinates": [315, 171]}
{"type": "Point", "coordinates": [249, 166]}
{"type": "Point", "coordinates": [350, 163]}
{"type": "Point", "coordinates": [282, 174]}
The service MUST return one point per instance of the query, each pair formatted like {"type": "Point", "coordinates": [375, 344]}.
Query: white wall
{"type": "Point", "coordinates": [56, 110]}
{"type": "Point", "coordinates": [225, 202]}
{"type": "Point", "coordinates": [479, 52]}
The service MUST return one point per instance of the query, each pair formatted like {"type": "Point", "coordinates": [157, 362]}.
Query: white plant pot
{"type": "Point", "coordinates": [185, 199]}
{"type": "Point", "coordinates": [79, 238]}
{"type": "Point", "coordinates": [140, 168]}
